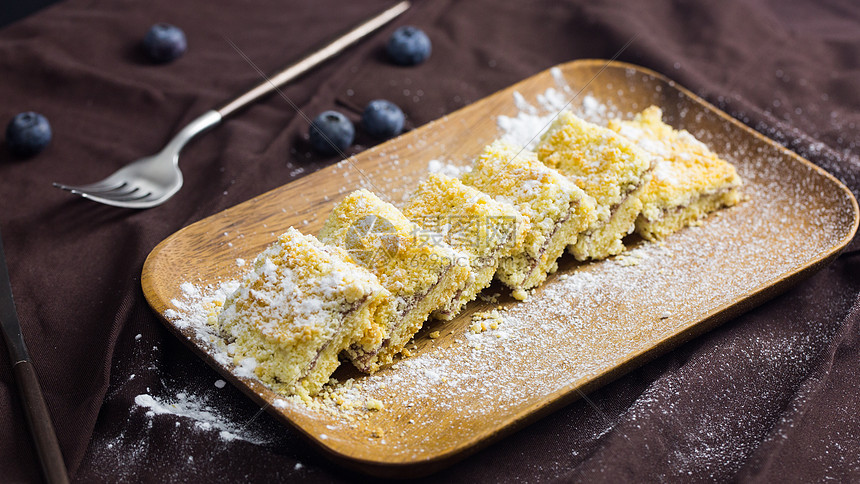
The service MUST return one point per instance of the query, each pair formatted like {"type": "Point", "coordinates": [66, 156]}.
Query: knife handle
{"type": "Point", "coordinates": [39, 420]}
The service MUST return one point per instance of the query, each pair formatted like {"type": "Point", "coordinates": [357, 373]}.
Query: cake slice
{"type": "Point", "coordinates": [554, 211]}
{"type": "Point", "coordinates": [689, 180]}
{"type": "Point", "coordinates": [421, 277]}
{"type": "Point", "coordinates": [608, 167]}
{"type": "Point", "coordinates": [482, 229]}
{"type": "Point", "coordinates": [298, 308]}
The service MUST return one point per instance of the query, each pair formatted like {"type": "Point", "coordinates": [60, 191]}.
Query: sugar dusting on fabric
{"type": "Point", "coordinates": [198, 412]}
{"type": "Point", "coordinates": [175, 417]}
{"type": "Point", "coordinates": [197, 310]}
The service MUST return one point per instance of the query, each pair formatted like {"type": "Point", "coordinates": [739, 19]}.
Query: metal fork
{"type": "Point", "coordinates": [152, 180]}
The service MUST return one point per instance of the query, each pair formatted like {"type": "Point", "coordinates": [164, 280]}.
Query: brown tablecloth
{"type": "Point", "coordinates": [770, 396]}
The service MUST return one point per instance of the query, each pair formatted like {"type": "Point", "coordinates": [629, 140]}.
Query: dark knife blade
{"type": "Point", "coordinates": [8, 315]}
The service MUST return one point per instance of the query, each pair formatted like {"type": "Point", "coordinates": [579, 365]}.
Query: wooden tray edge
{"type": "Point", "coordinates": [565, 395]}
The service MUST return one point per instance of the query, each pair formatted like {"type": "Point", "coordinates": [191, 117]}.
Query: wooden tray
{"type": "Point", "coordinates": [585, 326]}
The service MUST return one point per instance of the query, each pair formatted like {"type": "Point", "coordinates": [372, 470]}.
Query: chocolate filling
{"type": "Point", "coordinates": [454, 298]}
{"type": "Point", "coordinates": [460, 291]}
{"type": "Point", "coordinates": [613, 210]}
{"type": "Point", "coordinates": [410, 305]}
{"type": "Point", "coordinates": [534, 261]}
{"type": "Point", "coordinates": [345, 314]}
{"type": "Point", "coordinates": [678, 208]}
{"type": "Point", "coordinates": [354, 307]}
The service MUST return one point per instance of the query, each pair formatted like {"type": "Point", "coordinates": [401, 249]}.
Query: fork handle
{"type": "Point", "coordinates": [214, 117]}
{"type": "Point", "coordinates": [296, 69]}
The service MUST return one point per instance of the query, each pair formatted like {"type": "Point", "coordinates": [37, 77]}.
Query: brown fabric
{"type": "Point", "coordinates": [770, 396]}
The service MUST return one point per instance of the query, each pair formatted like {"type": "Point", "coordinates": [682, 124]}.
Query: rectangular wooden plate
{"type": "Point", "coordinates": [588, 324]}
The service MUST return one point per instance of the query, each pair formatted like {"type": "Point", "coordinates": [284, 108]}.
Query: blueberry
{"type": "Point", "coordinates": [164, 43]}
{"type": "Point", "coordinates": [382, 119]}
{"type": "Point", "coordinates": [331, 132]}
{"type": "Point", "coordinates": [28, 134]}
{"type": "Point", "coordinates": [409, 46]}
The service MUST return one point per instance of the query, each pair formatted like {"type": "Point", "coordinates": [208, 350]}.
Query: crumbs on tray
{"type": "Point", "coordinates": [373, 266]}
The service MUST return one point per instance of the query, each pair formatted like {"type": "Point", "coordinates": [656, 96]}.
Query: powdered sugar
{"type": "Point", "coordinates": [526, 128]}
{"type": "Point", "coordinates": [587, 319]}
{"type": "Point", "coordinates": [532, 120]}
{"type": "Point", "coordinates": [449, 169]}
{"type": "Point", "coordinates": [663, 171]}
{"type": "Point", "coordinates": [165, 427]}
{"type": "Point", "coordinates": [199, 305]}
{"type": "Point", "coordinates": [197, 411]}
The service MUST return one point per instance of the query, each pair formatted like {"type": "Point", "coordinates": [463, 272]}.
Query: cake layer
{"type": "Point", "coordinates": [469, 221]}
{"type": "Point", "coordinates": [689, 180]}
{"type": "Point", "coordinates": [298, 308]}
{"type": "Point", "coordinates": [421, 277]}
{"type": "Point", "coordinates": [673, 219]}
{"type": "Point", "coordinates": [607, 167]}
{"type": "Point", "coordinates": [554, 211]}
{"type": "Point", "coordinates": [605, 239]}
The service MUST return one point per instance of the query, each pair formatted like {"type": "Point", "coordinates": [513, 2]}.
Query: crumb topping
{"type": "Point", "coordinates": [293, 303]}
{"type": "Point", "coordinates": [296, 288]}
{"type": "Point", "coordinates": [598, 160]}
{"type": "Point", "coordinates": [685, 167]}
{"type": "Point", "coordinates": [467, 219]}
{"type": "Point", "coordinates": [379, 237]}
{"type": "Point", "coordinates": [542, 195]}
